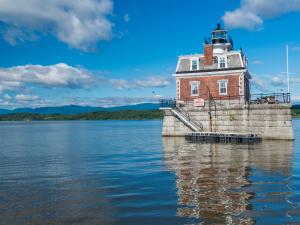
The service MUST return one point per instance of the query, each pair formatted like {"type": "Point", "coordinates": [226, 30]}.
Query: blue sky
{"type": "Point", "coordinates": [118, 52]}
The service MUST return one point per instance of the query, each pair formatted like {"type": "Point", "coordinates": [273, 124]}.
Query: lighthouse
{"type": "Point", "coordinates": [220, 72]}
{"type": "Point", "coordinates": [213, 97]}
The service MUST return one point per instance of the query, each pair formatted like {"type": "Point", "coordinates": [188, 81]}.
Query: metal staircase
{"type": "Point", "coordinates": [184, 117]}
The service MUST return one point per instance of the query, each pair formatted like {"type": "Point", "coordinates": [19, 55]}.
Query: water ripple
{"type": "Point", "coordinates": [120, 172]}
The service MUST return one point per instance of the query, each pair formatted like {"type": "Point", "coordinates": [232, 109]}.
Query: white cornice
{"type": "Point", "coordinates": [233, 52]}
{"type": "Point", "coordinates": [213, 73]}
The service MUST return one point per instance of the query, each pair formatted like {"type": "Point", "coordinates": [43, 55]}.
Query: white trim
{"type": "Point", "coordinates": [191, 56]}
{"type": "Point", "coordinates": [191, 63]}
{"type": "Point", "coordinates": [178, 89]}
{"type": "Point", "coordinates": [178, 63]}
{"type": "Point", "coordinates": [202, 55]}
{"type": "Point", "coordinates": [219, 62]}
{"type": "Point", "coordinates": [198, 88]}
{"type": "Point", "coordinates": [226, 82]}
{"type": "Point", "coordinates": [242, 63]}
{"type": "Point", "coordinates": [241, 85]}
{"type": "Point", "coordinates": [195, 81]}
{"type": "Point", "coordinates": [213, 73]}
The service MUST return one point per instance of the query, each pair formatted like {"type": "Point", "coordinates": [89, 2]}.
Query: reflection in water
{"type": "Point", "coordinates": [114, 172]}
{"type": "Point", "coordinates": [231, 184]}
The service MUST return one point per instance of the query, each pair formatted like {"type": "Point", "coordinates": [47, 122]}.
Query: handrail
{"type": "Point", "coordinates": [187, 116]}
{"type": "Point", "coordinates": [184, 120]}
{"type": "Point", "coordinates": [263, 98]}
{"type": "Point", "coordinates": [167, 103]}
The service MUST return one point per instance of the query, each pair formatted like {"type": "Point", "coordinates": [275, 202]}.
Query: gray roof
{"type": "Point", "coordinates": [235, 60]}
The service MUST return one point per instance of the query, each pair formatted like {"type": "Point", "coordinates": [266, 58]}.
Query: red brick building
{"type": "Point", "coordinates": [219, 73]}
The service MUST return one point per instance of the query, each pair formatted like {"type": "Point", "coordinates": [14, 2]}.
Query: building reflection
{"type": "Point", "coordinates": [214, 180]}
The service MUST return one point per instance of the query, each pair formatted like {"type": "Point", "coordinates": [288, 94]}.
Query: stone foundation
{"type": "Point", "coordinates": [270, 121]}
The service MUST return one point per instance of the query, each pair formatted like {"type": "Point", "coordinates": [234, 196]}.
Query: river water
{"type": "Point", "coordinates": [124, 172]}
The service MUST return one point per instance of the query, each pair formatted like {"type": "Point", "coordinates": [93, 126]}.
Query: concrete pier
{"type": "Point", "coordinates": [269, 121]}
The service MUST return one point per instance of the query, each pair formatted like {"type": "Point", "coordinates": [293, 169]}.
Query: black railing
{"type": "Point", "coordinates": [167, 103]}
{"type": "Point", "coordinates": [270, 98]}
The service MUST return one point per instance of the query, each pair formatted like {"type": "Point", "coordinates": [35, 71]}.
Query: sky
{"type": "Point", "coordinates": [119, 52]}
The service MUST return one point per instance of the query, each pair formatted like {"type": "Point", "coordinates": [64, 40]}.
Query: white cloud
{"type": "Point", "coordinates": [80, 24]}
{"type": "Point", "coordinates": [118, 101]}
{"type": "Point", "coordinates": [30, 83]}
{"type": "Point", "coordinates": [259, 84]}
{"type": "Point", "coordinates": [295, 48]}
{"type": "Point", "coordinates": [257, 62]}
{"type": "Point", "coordinates": [252, 13]}
{"type": "Point", "coordinates": [148, 82]}
{"type": "Point", "coordinates": [127, 18]}
{"type": "Point", "coordinates": [65, 76]}
{"type": "Point", "coordinates": [274, 83]}
{"type": "Point", "coordinates": [295, 80]}
{"type": "Point", "coordinates": [83, 101]}
{"type": "Point", "coordinates": [241, 19]}
{"type": "Point", "coordinates": [153, 81]}
{"type": "Point", "coordinates": [279, 80]}
{"type": "Point", "coordinates": [119, 84]}
{"type": "Point", "coordinates": [296, 98]}
{"type": "Point", "coordinates": [26, 98]}
{"type": "Point", "coordinates": [58, 75]}
{"type": "Point", "coordinates": [7, 97]}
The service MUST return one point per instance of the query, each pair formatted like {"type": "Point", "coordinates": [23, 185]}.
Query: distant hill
{"type": "Point", "coordinates": [4, 111]}
{"type": "Point", "coordinates": [104, 115]}
{"type": "Point", "coordinates": [76, 109]}
{"type": "Point", "coordinates": [296, 107]}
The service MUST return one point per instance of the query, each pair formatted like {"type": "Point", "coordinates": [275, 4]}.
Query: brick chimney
{"type": "Point", "coordinates": [208, 54]}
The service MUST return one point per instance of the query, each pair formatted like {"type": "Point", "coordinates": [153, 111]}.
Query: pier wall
{"type": "Point", "coordinates": [270, 121]}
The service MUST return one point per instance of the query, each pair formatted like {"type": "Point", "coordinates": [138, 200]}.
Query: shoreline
{"type": "Point", "coordinates": [101, 115]}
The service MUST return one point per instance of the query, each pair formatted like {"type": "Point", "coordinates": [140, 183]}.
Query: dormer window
{"type": "Point", "coordinates": [194, 64]}
{"type": "Point", "coordinates": [222, 62]}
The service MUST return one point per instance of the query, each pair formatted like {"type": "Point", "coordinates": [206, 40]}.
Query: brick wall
{"type": "Point", "coordinates": [208, 54]}
{"type": "Point", "coordinates": [212, 83]}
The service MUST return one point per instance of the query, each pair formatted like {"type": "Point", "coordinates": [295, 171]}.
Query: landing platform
{"type": "Point", "coordinates": [222, 137]}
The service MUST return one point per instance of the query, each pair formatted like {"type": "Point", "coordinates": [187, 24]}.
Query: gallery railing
{"type": "Point", "coordinates": [272, 98]}
{"type": "Point", "coordinates": [167, 103]}
{"type": "Point", "coordinates": [269, 98]}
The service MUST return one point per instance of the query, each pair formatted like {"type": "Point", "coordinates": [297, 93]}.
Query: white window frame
{"type": "Point", "coordinates": [226, 83]}
{"type": "Point", "coordinates": [191, 64]}
{"type": "Point", "coordinates": [198, 87]}
{"type": "Point", "coordinates": [219, 62]}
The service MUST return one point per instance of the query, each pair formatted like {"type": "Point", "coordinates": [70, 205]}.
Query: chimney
{"type": "Point", "coordinates": [208, 54]}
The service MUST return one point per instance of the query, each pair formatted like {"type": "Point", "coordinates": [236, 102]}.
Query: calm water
{"type": "Point", "coordinates": [124, 172]}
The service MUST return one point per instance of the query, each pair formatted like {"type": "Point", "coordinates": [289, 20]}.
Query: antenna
{"type": "Point", "coordinates": [287, 68]}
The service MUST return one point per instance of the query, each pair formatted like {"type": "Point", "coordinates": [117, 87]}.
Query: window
{"type": "Point", "coordinates": [195, 88]}
{"type": "Point", "coordinates": [223, 87]}
{"type": "Point", "coordinates": [215, 60]}
{"type": "Point", "coordinates": [222, 62]}
{"type": "Point", "coordinates": [194, 64]}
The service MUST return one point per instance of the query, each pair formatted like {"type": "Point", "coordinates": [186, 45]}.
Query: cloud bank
{"type": "Point", "coordinates": [62, 75]}
{"type": "Point", "coordinates": [58, 75]}
{"type": "Point", "coordinates": [252, 13]}
{"type": "Point", "coordinates": [80, 24]}
{"type": "Point", "coordinates": [28, 84]}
